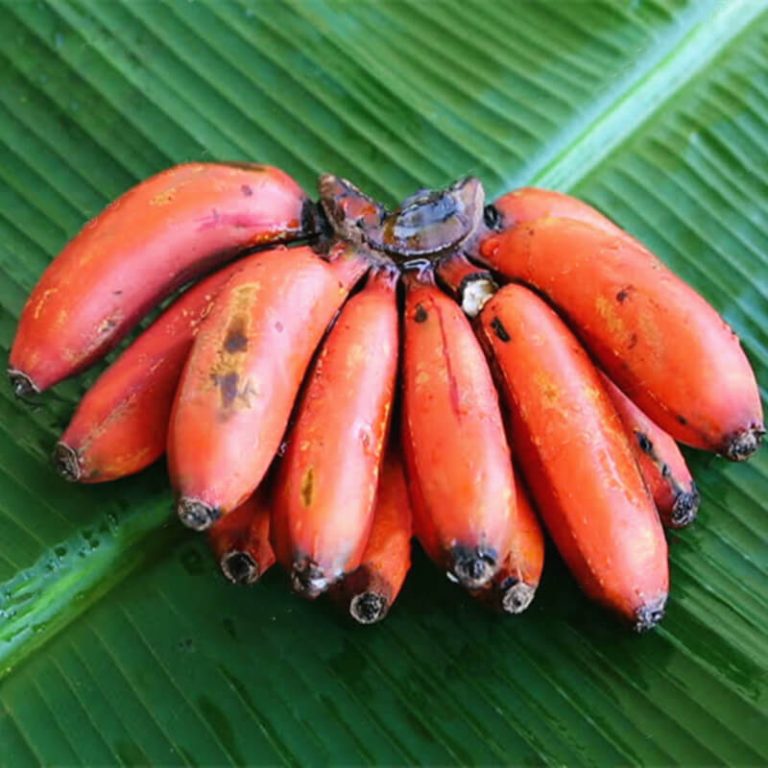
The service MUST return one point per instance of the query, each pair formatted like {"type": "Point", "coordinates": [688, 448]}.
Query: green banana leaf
{"type": "Point", "coordinates": [119, 642]}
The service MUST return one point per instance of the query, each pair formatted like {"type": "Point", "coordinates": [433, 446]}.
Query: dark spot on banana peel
{"type": "Point", "coordinates": [235, 341]}
{"type": "Point", "coordinates": [685, 507]}
{"type": "Point", "coordinates": [743, 443]}
{"type": "Point", "coordinates": [67, 462]}
{"type": "Point", "coordinates": [500, 331]}
{"type": "Point", "coordinates": [227, 385]}
{"type": "Point", "coordinates": [649, 615]}
{"type": "Point", "coordinates": [645, 443]}
{"type": "Point", "coordinates": [307, 487]}
{"type": "Point", "coordinates": [492, 217]}
{"type": "Point", "coordinates": [239, 567]}
{"type": "Point", "coordinates": [368, 607]}
{"type": "Point", "coordinates": [473, 566]}
{"type": "Point", "coordinates": [420, 315]}
{"type": "Point", "coordinates": [197, 515]}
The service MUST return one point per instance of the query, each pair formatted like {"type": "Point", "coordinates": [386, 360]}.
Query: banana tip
{"type": "Point", "coordinates": [239, 567]}
{"type": "Point", "coordinates": [308, 579]}
{"type": "Point", "coordinates": [647, 616]}
{"type": "Point", "coordinates": [197, 515]}
{"type": "Point", "coordinates": [67, 462]}
{"type": "Point", "coordinates": [23, 387]}
{"type": "Point", "coordinates": [685, 508]}
{"type": "Point", "coordinates": [742, 444]}
{"type": "Point", "coordinates": [517, 597]}
{"type": "Point", "coordinates": [368, 607]}
{"type": "Point", "coordinates": [473, 567]}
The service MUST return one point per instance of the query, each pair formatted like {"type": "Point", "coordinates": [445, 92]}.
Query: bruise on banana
{"type": "Point", "coordinates": [227, 373]}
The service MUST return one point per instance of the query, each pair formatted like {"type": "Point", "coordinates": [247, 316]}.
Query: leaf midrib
{"type": "Point", "coordinates": [652, 88]}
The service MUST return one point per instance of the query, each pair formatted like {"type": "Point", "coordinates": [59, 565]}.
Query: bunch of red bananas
{"type": "Point", "coordinates": [272, 382]}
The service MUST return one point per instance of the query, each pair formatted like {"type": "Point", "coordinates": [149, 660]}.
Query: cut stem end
{"type": "Point", "coordinates": [473, 568]}
{"type": "Point", "coordinates": [685, 508]}
{"type": "Point", "coordinates": [67, 462]}
{"type": "Point", "coordinates": [239, 567]}
{"type": "Point", "coordinates": [23, 387]}
{"type": "Point", "coordinates": [517, 597]}
{"type": "Point", "coordinates": [197, 515]}
{"type": "Point", "coordinates": [649, 615]}
{"type": "Point", "coordinates": [308, 579]}
{"type": "Point", "coordinates": [368, 607]}
{"type": "Point", "coordinates": [742, 444]}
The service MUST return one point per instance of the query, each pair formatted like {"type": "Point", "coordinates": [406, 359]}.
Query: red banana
{"type": "Point", "coordinates": [458, 460]}
{"type": "Point", "coordinates": [168, 230]}
{"type": "Point", "coordinates": [667, 349]}
{"type": "Point", "coordinates": [121, 425]}
{"type": "Point", "coordinates": [576, 458]}
{"type": "Point", "coordinates": [327, 481]}
{"type": "Point", "coordinates": [244, 371]}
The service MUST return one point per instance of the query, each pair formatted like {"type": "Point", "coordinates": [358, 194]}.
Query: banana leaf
{"type": "Point", "coordinates": [119, 642]}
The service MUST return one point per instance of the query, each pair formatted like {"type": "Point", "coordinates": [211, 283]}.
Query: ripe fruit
{"type": "Point", "coordinates": [457, 457]}
{"type": "Point", "coordinates": [667, 349]}
{"type": "Point", "coordinates": [231, 356]}
{"type": "Point", "coordinates": [326, 486]}
{"type": "Point", "coordinates": [171, 228]}
{"type": "Point", "coordinates": [576, 458]}
{"type": "Point", "coordinates": [243, 374]}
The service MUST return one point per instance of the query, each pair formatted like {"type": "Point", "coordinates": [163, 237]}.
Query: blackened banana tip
{"type": "Point", "coordinates": [197, 515]}
{"type": "Point", "coordinates": [473, 567]}
{"type": "Point", "coordinates": [647, 616]}
{"type": "Point", "coordinates": [308, 580]}
{"type": "Point", "coordinates": [239, 567]}
{"type": "Point", "coordinates": [67, 462]}
{"type": "Point", "coordinates": [368, 607]}
{"type": "Point", "coordinates": [742, 444]}
{"type": "Point", "coordinates": [685, 508]}
{"type": "Point", "coordinates": [517, 597]}
{"type": "Point", "coordinates": [23, 387]}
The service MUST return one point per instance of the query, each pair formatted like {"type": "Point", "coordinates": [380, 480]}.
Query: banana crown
{"type": "Point", "coordinates": [426, 224]}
